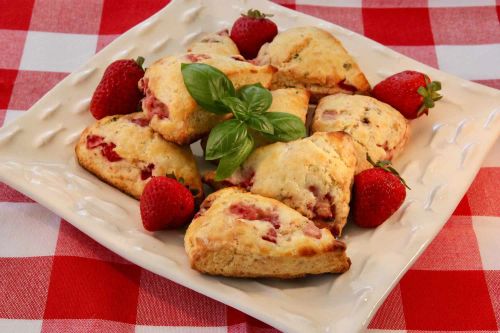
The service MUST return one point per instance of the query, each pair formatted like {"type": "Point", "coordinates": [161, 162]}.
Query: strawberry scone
{"type": "Point", "coordinates": [240, 234]}
{"type": "Point", "coordinates": [377, 128]}
{"type": "Point", "coordinates": [215, 43]}
{"type": "Point", "coordinates": [313, 175]}
{"type": "Point", "coordinates": [173, 112]}
{"type": "Point", "coordinates": [312, 58]}
{"type": "Point", "coordinates": [125, 152]}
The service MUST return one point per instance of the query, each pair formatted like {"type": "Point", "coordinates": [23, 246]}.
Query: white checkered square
{"type": "Point", "coordinates": [57, 52]}
{"type": "Point", "coordinates": [461, 3]}
{"type": "Point", "coordinates": [20, 325]}
{"type": "Point", "coordinates": [11, 115]}
{"type": "Point", "coordinates": [28, 230]}
{"type": "Point", "coordinates": [487, 229]}
{"type": "Point", "coordinates": [472, 62]}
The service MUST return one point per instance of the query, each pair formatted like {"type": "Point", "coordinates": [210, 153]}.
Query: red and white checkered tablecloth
{"type": "Point", "coordinates": [55, 279]}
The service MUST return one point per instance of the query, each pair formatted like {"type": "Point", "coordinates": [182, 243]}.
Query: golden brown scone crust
{"type": "Point", "coordinates": [215, 43]}
{"type": "Point", "coordinates": [142, 151]}
{"type": "Point", "coordinates": [240, 234]}
{"type": "Point", "coordinates": [312, 58]}
{"type": "Point", "coordinates": [377, 128]}
{"type": "Point", "coordinates": [291, 100]}
{"type": "Point", "coordinates": [313, 175]}
{"type": "Point", "coordinates": [181, 120]}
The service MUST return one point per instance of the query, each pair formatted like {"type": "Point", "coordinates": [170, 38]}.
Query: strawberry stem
{"type": "Point", "coordinates": [386, 165]}
{"type": "Point", "coordinates": [140, 61]}
{"type": "Point", "coordinates": [256, 14]}
{"type": "Point", "coordinates": [430, 95]}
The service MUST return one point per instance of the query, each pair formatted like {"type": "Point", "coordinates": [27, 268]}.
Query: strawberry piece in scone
{"type": "Point", "coordinates": [240, 234]}
{"type": "Point", "coordinates": [125, 152]}
{"type": "Point", "coordinates": [311, 175]}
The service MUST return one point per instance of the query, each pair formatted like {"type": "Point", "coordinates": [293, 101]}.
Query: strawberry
{"type": "Point", "coordinates": [117, 93]}
{"type": "Point", "coordinates": [251, 31]}
{"type": "Point", "coordinates": [377, 194]}
{"type": "Point", "coordinates": [411, 93]}
{"type": "Point", "coordinates": [165, 204]}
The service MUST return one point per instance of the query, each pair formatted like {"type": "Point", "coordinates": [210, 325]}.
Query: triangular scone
{"type": "Point", "coordinates": [240, 234]}
{"type": "Point", "coordinates": [173, 112]}
{"type": "Point", "coordinates": [377, 128]}
{"type": "Point", "coordinates": [125, 152]}
{"type": "Point", "coordinates": [215, 43]}
{"type": "Point", "coordinates": [313, 175]}
{"type": "Point", "coordinates": [312, 58]}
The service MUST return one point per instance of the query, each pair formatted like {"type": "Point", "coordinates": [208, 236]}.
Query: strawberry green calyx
{"type": "Point", "coordinates": [139, 61]}
{"type": "Point", "coordinates": [256, 14]}
{"type": "Point", "coordinates": [430, 95]}
{"type": "Point", "coordinates": [386, 165]}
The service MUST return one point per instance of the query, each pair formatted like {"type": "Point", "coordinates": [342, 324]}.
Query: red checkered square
{"type": "Point", "coordinates": [7, 79]}
{"type": "Point", "coordinates": [425, 54]}
{"type": "Point", "coordinates": [71, 16]}
{"type": "Point", "coordinates": [85, 326]}
{"type": "Point", "coordinates": [447, 300]}
{"type": "Point", "coordinates": [86, 288]}
{"type": "Point", "coordinates": [484, 193]}
{"type": "Point", "coordinates": [350, 18]}
{"type": "Point", "coordinates": [286, 3]}
{"type": "Point", "coordinates": [8, 194]}
{"type": "Point", "coordinates": [239, 322]}
{"type": "Point", "coordinates": [463, 208]}
{"type": "Point", "coordinates": [490, 83]}
{"type": "Point", "coordinates": [24, 283]}
{"type": "Point", "coordinates": [390, 314]}
{"type": "Point", "coordinates": [119, 16]}
{"type": "Point", "coordinates": [104, 40]}
{"type": "Point", "coordinates": [398, 26]}
{"type": "Point", "coordinates": [12, 48]}
{"type": "Point", "coordinates": [465, 25]}
{"type": "Point", "coordinates": [165, 303]}
{"type": "Point", "coordinates": [73, 242]}
{"type": "Point", "coordinates": [31, 86]}
{"type": "Point", "coordinates": [15, 15]}
{"type": "Point", "coordinates": [454, 248]}
{"type": "Point", "coordinates": [493, 282]}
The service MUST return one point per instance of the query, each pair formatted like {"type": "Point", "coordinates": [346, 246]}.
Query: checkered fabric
{"type": "Point", "coordinates": [55, 279]}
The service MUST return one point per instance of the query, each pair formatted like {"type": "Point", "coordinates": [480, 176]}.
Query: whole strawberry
{"type": "Point", "coordinates": [251, 31]}
{"type": "Point", "coordinates": [377, 194]}
{"type": "Point", "coordinates": [165, 204]}
{"type": "Point", "coordinates": [411, 93]}
{"type": "Point", "coordinates": [117, 93]}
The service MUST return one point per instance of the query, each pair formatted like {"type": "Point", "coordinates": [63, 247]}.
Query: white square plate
{"type": "Point", "coordinates": [442, 158]}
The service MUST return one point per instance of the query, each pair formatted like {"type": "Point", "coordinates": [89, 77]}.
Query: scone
{"type": "Point", "coordinates": [311, 58]}
{"type": "Point", "coordinates": [215, 43]}
{"type": "Point", "coordinates": [173, 112]}
{"type": "Point", "coordinates": [125, 153]}
{"type": "Point", "coordinates": [313, 175]}
{"type": "Point", "coordinates": [377, 128]}
{"type": "Point", "coordinates": [241, 234]}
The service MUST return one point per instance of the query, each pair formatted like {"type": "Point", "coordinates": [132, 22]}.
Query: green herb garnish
{"type": "Point", "coordinates": [231, 141]}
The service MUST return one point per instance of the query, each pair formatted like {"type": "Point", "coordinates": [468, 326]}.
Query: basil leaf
{"type": "Point", "coordinates": [287, 127]}
{"type": "Point", "coordinates": [225, 138]}
{"type": "Point", "coordinates": [257, 97]}
{"type": "Point", "coordinates": [207, 85]}
{"type": "Point", "coordinates": [237, 107]}
{"type": "Point", "coordinates": [260, 123]}
{"type": "Point", "coordinates": [229, 163]}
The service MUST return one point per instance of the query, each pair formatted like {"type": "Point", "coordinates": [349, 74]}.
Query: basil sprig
{"type": "Point", "coordinates": [231, 141]}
